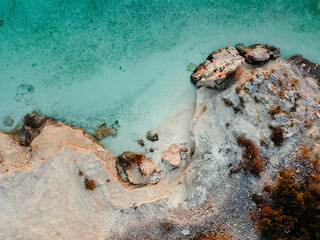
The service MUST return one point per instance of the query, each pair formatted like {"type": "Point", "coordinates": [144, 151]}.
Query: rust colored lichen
{"type": "Point", "coordinates": [89, 184]}
{"type": "Point", "coordinates": [251, 159]}
{"type": "Point", "coordinates": [275, 110]}
{"type": "Point", "coordinates": [80, 173]}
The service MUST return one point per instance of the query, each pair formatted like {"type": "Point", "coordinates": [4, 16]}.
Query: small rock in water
{"type": "Point", "coordinates": [191, 67]}
{"type": "Point", "coordinates": [141, 142]}
{"type": "Point", "coordinates": [7, 121]}
{"type": "Point", "coordinates": [151, 149]}
{"type": "Point", "coordinates": [103, 131]}
{"type": "Point", "coordinates": [172, 155]}
{"type": "Point", "coordinates": [152, 137]}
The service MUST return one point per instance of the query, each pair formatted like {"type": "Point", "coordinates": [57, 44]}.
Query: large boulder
{"type": "Point", "coordinates": [137, 168]}
{"type": "Point", "coordinates": [258, 53]}
{"type": "Point", "coordinates": [218, 66]}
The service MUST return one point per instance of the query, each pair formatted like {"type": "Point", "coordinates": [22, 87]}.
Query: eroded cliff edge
{"type": "Point", "coordinates": [246, 95]}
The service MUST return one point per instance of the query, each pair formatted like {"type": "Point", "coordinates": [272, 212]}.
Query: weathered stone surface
{"type": "Point", "coordinates": [8, 121]}
{"type": "Point", "coordinates": [172, 155]}
{"type": "Point", "coordinates": [12, 155]}
{"type": "Point", "coordinates": [103, 131]}
{"type": "Point", "coordinates": [217, 67]}
{"type": "Point", "coordinates": [137, 167]}
{"type": "Point", "coordinates": [307, 68]}
{"type": "Point", "coordinates": [277, 136]}
{"type": "Point", "coordinates": [258, 53]}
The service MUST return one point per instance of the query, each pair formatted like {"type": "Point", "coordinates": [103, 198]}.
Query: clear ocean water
{"type": "Point", "coordinates": [87, 62]}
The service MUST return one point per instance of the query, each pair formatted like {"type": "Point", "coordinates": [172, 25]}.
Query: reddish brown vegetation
{"type": "Point", "coordinates": [89, 184]}
{"type": "Point", "coordinates": [294, 212]}
{"type": "Point", "coordinates": [275, 110]}
{"type": "Point", "coordinates": [214, 236]}
{"type": "Point", "coordinates": [252, 161]}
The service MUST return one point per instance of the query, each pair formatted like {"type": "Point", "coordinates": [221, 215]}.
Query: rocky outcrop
{"type": "Point", "coordinates": [217, 67]}
{"type": "Point", "coordinates": [258, 53]}
{"type": "Point", "coordinates": [62, 184]}
{"type": "Point", "coordinates": [247, 133]}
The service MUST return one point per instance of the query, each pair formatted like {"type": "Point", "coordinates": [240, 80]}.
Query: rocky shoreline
{"type": "Point", "coordinates": [254, 113]}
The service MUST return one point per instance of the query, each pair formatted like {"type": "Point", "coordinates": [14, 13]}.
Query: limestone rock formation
{"type": "Point", "coordinates": [258, 53]}
{"type": "Point", "coordinates": [172, 155]}
{"type": "Point", "coordinates": [59, 183]}
{"type": "Point", "coordinates": [217, 67]}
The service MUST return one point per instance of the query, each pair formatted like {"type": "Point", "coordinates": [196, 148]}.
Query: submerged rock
{"type": "Point", "coordinates": [172, 155]}
{"type": "Point", "coordinates": [24, 92]}
{"type": "Point", "coordinates": [8, 121]}
{"type": "Point", "coordinates": [103, 131]}
{"type": "Point", "coordinates": [258, 53]}
{"type": "Point", "coordinates": [191, 67]}
{"type": "Point", "coordinates": [217, 67]}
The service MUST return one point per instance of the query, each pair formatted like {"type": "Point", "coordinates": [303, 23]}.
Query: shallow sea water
{"type": "Point", "coordinates": [96, 61]}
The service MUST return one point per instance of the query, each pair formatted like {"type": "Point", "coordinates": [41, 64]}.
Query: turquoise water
{"type": "Point", "coordinates": [95, 61]}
